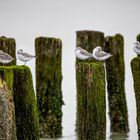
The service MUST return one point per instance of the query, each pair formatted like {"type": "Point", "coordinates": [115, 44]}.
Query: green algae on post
{"type": "Point", "coordinates": [115, 84]}
{"type": "Point", "coordinates": [8, 45]}
{"type": "Point", "coordinates": [48, 86]}
{"type": "Point", "coordinates": [135, 67]}
{"type": "Point", "coordinates": [7, 109]}
{"type": "Point", "coordinates": [25, 104]}
{"type": "Point", "coordinates": [90, 79]}
{"type": "Point", "coordinates": [91, 105]}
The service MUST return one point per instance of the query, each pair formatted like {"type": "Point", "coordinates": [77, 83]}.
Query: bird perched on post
{"type": "Point", "coordinates": [137, 47]}
{"type": "Point", "coordinates": [82, 54]}
{"type": "Point", "coordinates": [100, 55]}
{"type": "Point", "coordinates": [5, 58]}
{"type": "Point", "coordinates": [23, 56]}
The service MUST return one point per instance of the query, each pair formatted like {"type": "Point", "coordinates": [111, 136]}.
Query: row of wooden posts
{"type": "Point", "coordinates": [24, 116]}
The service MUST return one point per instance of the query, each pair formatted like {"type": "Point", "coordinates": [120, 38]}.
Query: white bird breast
{"type": "Point", "coordinates": [5, 61]}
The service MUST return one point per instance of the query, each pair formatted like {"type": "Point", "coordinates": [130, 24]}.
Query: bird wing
{"type": "Point", "coordinates": [6, 57]}
{"type": "Point", "coordinates": [27, 55]}
{"type": "Point", "coordinates": [84, 52]}
{"type": "Point", "coordinates": [101, 54]}
{"type": "Point", "coordinates": [138, 46]}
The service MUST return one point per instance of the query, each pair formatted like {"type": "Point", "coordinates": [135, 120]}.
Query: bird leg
{"type": "Point", "coordinates": [24, 63]}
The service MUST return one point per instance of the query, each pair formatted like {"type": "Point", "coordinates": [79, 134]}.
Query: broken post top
{"type": "Point", "coordinates": [48, 47]}
{"type": "Point", "coordinates": [138, 37]}
{"type": "Point", "coordinates": [47, 41]}
{"type": "Point", "coordinates": [115, 45]}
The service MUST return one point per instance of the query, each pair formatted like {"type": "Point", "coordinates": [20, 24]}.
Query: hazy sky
{"type": "Point", "coordinates": [26, 19]}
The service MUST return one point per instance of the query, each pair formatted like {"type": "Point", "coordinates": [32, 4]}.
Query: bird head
{"type": "Point", "coordinates": [78, 48]}
{"type": "Point", "coordinates": [19, 51]}
{"type": "Point", "coordinates": [1, 51]}
{"type": "Point", "coordinates": [136, 43]}
{"type": "Point", "coordinates": [98, 48]}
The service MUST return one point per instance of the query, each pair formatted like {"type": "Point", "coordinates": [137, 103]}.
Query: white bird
{"type": "Point", "coordinates": [5, 58]}
{"type": "Point", "coordinates": [100, 55]}
{"type": "Point", "coordinates": [82, 54]}
{"type": "Point", "coordinates": [137, 47]}
{"type": "Point", "coordinates": [23, 56]}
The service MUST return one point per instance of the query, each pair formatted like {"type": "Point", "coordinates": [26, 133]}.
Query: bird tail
{"type": "Point", "coordinates": [35, 56]}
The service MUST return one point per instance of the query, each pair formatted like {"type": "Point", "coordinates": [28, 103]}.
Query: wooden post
{"type": "Point", "coordinates": [90, 79]}
{"type": "Point", "coordinates": [8, 45]}
{"type": "Point", "coordinates": [91, 107]}
{"type": "Point", "coordinates": [25, 104]}
{"type": "Point", "coordinates": [48, 86]}
{"type": "Point", "coordinates": [135, 67]}
{"type": "Point", "coordinates": [115, 84]}
{"type": "Point", "coordinates": [7, 109]}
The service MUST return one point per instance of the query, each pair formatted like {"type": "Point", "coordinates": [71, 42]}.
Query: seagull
{"type": "Point", "coordinates": [23, 56]}
{"type": "Point", "coordinates": [100, 55]}
{"type": "Point", "coordinates": [5, 58]}
{"type": "Point", "coordinates": [137, 47]}
{"type": "Point", "coordinates": [82, 54]}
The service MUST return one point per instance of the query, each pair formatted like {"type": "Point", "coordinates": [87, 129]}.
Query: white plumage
{"type": "Point", "coordinates": [137, 47]}
{"type": "Point", "coordinates": [100, 55]}
{"type": "Point", "coordinates": [82, 54]}
{"type": "Point", "coordinates": [23, 56]}
{"type": "Point", "coordinates": [5, 58]}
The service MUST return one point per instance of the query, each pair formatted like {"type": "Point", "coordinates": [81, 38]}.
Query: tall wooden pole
{"type": "Point", "coordinates": [90, 79]}
{"type": "Point", "coordinates": [115, 83]}
{"type": "Point", "coordinates": [48, 86]}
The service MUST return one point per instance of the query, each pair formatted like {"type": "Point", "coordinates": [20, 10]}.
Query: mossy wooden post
{"type": "Point", "coordinates": [115, 84]}
{"type": "Point", "coordinates": [135, 67]}
{"type": "Point", "coordinates": [90, 79]}
{"type": "Point", "coordinates": [25, 104]}
{"type": "Point", "coordinates": [48, 86]}
{"type": "Point", "coordinates": [91, 106]}
{"type": "Point", "coordinates": [8, 45]}
{"type": "Point", "coordinates": [7, 109]}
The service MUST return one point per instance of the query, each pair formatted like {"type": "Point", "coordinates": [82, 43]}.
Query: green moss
{"type": "Point", "coordinates": [7, 110]}
{"type": "Point", "coordinates": [25, 104]}
{"type": "Point", "coordinates": [115, 79]}
{"type": "Point", "coordinates": [135, 67]}
{"type": "Point", "coordinates": [48, 85]}
{"type": "Point", "coordinates": [91, 107]}
{"type": "Point", "coordinates": [7, 75]}
{"type": "Point", "coordinates": [8, 45]}
{"type": "Point", "coordinates": [19, 81]}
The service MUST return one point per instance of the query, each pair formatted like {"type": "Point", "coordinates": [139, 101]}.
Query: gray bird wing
{"type": "Point", "coordinates": [138, 46]}
{"type": "Point", "coordinates": [84, 52]}
{"type": "Point", "coordinates": [101, 54]}
{"type": "Point", "coordinates": [6, 56]}
{"type": "Point", "coordinates": [27, 55]}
